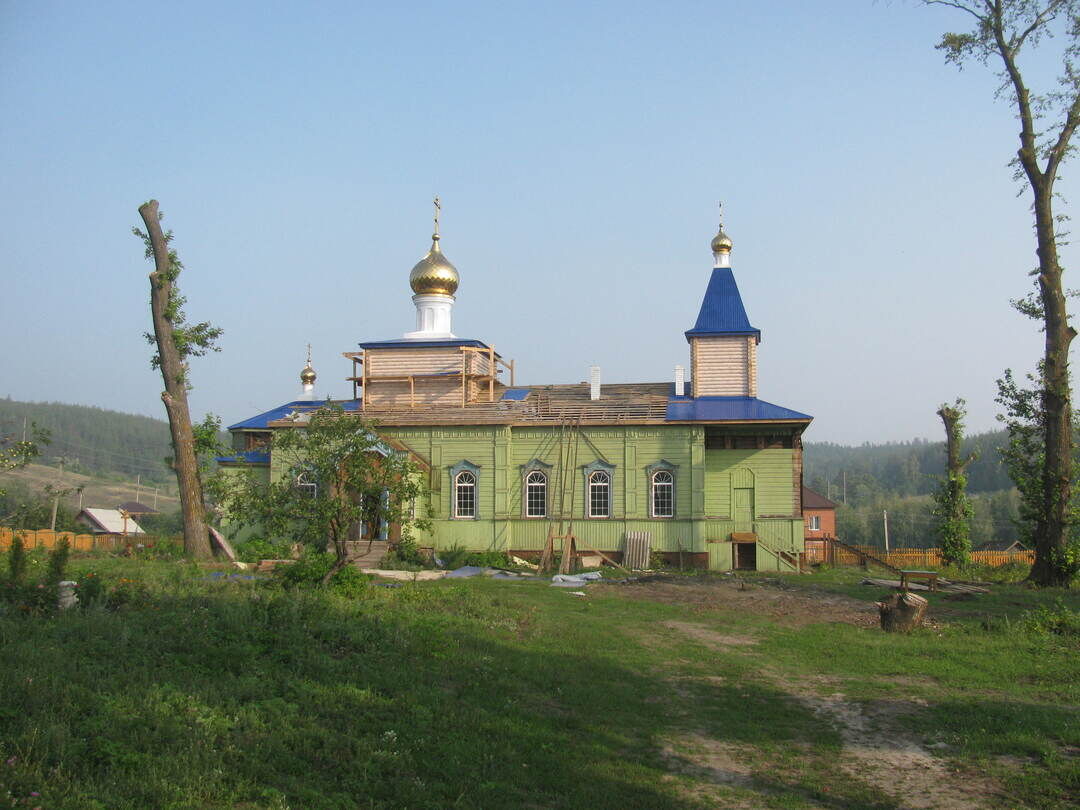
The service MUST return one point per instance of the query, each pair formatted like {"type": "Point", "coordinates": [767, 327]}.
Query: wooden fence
{"type": "Point", "coordinates": [44, 538]}
{"type": "Point", "coordinates": [924, 557]}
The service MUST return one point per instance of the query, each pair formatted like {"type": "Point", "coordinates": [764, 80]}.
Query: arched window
{"type": "Point", "coordinates": [465, 495]}
{"type": "Point", "coordinates": [663, 494]}
{"type": "Point", "coordinates": [599, 494]}
{"type": "Point", "coordinates": [536, 494]}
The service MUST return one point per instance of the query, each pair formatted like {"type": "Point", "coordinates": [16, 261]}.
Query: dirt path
{"type": "Point", "coordinates": [875, 751]}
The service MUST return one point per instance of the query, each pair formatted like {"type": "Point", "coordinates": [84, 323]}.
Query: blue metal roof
{"type": "Point", "coordinates": [516, 394]}
{"type": "Point", "coordinates": [405, 343]}
{"type": "Point", "coordinates": [262, 421]}
{"type": "Point", "coordinates": [722, 311]}
{"type": "Point", "coordinates": [247, 457]}
{"type": "Point", "coordinates": [730, 409]}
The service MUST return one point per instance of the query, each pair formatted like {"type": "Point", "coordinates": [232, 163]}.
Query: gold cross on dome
{"type": "Point", "coordinates": [438, 208]}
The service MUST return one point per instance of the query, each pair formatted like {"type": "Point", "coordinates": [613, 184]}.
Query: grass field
{"type": "Point", "coordinates": [684, 691]}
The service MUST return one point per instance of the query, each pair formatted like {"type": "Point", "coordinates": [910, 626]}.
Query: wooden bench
{"type": "Point", "coordinates": [931, 578]}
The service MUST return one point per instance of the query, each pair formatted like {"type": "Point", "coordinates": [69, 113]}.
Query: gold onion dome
{"type": "Point", "coordinates": [434, 274]}
{"type": "Point", "coordinates": [307, 376]}
{"type": "Point", "coordinates": [721, 243]}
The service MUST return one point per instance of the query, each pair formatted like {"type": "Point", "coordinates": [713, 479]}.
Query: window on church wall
{"type": "Point", "coordinates": [465, 495]}
{"type": "Point", "coordinates": [599, 494]}
{"type": "Point", "coordinates": [663, 494]}
{"type": "Point", "coordinates": [305, 483]}
{"type": "Point", "coordinates": [536, 495]}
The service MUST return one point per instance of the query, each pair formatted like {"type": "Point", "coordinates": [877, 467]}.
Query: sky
{"type": "Point", "coordinates": [579, 150]}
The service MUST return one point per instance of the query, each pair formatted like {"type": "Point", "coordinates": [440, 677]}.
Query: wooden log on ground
{"type": "Point", "coordinates": [902, 613]}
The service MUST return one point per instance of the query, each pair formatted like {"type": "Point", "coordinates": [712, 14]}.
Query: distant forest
{"type": "Point", "coordinates": [93, 440]}
{"type": "Point", "coordinates": [896, 477]}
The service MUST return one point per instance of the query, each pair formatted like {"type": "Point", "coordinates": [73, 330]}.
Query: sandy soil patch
{"type": "Point", "coordinates": [710, 638]}
{"type": "Point", "coordinates": [796, 608]}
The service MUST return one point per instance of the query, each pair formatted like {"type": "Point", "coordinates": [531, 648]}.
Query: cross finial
{"type": "Point", "coordinates": [720, 205]}
{"type": "Point", "coordinates": [309, 354]}
{"type": "Point", "coordinates": [438, 208]}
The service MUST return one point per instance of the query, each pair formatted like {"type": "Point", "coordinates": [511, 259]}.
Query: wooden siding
{"type": "Point", "coordinates": [704, 479]}
{"type": "Point", "coordinates": [724, 366]}
{"type": "Point", "coordinates": [771, 470]}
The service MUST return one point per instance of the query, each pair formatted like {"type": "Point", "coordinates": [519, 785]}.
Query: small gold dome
{"type": "Point", "coordinates": [721, 243]}
{"type": "Point", "coordinates": [307, 376]}
{"type": "Point", "coordinates": [434, 274]}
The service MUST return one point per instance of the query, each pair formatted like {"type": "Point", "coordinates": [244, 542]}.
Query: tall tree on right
{"type": "Point", "coordinates": [1002, 29]}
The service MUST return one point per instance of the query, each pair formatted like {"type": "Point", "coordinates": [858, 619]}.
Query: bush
{"type": "Point", "coordinates": [405, 556]}
{"type": "Point", "coordinates": [258, 548]}
{"type": "Point", "coordinates": [33, 597]}
{"type": "Point", "coordinates": [90, 590]}
{"type": "Point", "coordinates": [313, 566]}
{"type": "Point", "coordinates": [453, 557]}
{"type": "Point", "coordinates": [128, 593]}
{"type": "Point", "coordinates": [488, 559]}
{"type": "Point", "coordinates": [1058, 620]}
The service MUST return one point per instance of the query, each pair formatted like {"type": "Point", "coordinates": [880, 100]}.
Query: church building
{"type": "Point", "coordinates": [698, 462]}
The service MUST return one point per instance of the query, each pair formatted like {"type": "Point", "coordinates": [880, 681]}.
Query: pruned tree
{"type": "Point", "coordinates": [176, 341]}
{"type": "Point", "coordinates": [339, 482]}
{"type": "Point", "coordinates": [1002, 30]}
{"type": "Point", "coordinates": [952, 507]}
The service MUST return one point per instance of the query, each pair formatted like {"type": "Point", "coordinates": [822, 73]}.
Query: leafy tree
{"type": "Point", "coordinates": [341, 480]}
{"type": "Point", "coordinates": [176, 341]}
{"type": "Point", "coordinates": [1025, 457]}
{"type": "Point", "coordinates": [16, 453]}
{"type": "Point", "coordinates": [952, 507]}
{"type": "Point", "coordinates": [1002, 29]}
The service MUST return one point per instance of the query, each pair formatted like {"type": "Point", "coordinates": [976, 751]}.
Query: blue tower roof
{"type": "Point", "coordinates": [722, 311]}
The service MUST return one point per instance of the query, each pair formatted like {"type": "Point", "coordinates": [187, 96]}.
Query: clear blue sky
{"type": "Point", "coordinates": [579, 149]}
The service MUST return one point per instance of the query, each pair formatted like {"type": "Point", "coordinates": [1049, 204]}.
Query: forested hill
{"type": "Point", "coordinates": [900, 469]}
{"type": "Point", "coordinates": [94, 440]}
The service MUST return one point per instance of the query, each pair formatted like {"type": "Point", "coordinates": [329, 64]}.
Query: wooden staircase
{"type": "Point", "coordinates": [788, 558]}
{"type": "Point", "coordinates": [367, 553]}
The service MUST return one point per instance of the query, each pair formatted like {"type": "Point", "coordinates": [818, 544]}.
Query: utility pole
{"type": "Point", "coordinates": [845, 487]}
{"type": "Point", "coordinates": [155, 498]}
{"type": "Point", "coordinates": [138, 481]}
{"type": "Point", "coordinates": [24, 429]}
{"type": "Point", "coordinates": [56, 495]}
{"type": "Point", "coordinates": [885, 519]}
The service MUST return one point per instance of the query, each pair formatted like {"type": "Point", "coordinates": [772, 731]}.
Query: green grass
{"type": "Point", "coordinates": [493, 694]}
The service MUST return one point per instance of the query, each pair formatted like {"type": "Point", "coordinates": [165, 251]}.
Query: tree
{"type": "Point", "coordinates": [1025, 459]}
{"type": "Point", "coordinates": [340, 482]}
{"type": "Point", "coordinates": [176, 341]}
{"type": "Point", "coordinates": [952, 507]}
{"type": "Point", "coordinates": [16, 453]}
{"type": "Point", "coordinates": [1003, 28]}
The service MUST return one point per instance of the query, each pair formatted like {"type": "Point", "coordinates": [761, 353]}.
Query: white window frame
{"type": "Point", "coordinates": [593, 482]}
{"type": "Point", "coordinates": [459, 485]}
{"type": "Point", "coordinates": [301, 483]}
{"type": "Point", "coordinates": [813, 523]}
{"type": "Point", "coordinates": [529, 484]}
{"type": "Point", "coordinates": [653, 485]}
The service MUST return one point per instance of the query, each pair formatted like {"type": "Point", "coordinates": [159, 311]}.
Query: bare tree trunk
{"type": "Point", "coordinates": [173, 368]}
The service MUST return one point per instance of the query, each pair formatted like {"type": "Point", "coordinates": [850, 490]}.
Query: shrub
{"type": "Point", "coordinates": [657, 560]}
{"type": "Point", "coordinates": [453, 557]}
{"type": "Point", "coordinates": [405, 556]}
{"type": "Point", "coordinates": [488, 559]}
{"type": "Point", "coordinates": [259, 548]}
{"type": "Point", "coordinates": [128, 593]}
{"type": "Point", "coordinates": [33, 597]}
{"type": "Point", "coordinates": [1058, 620]}
{"type": "Point", "coordinates": [313, 566]}
{"type": "Point", "coordinates": [90, 590]}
